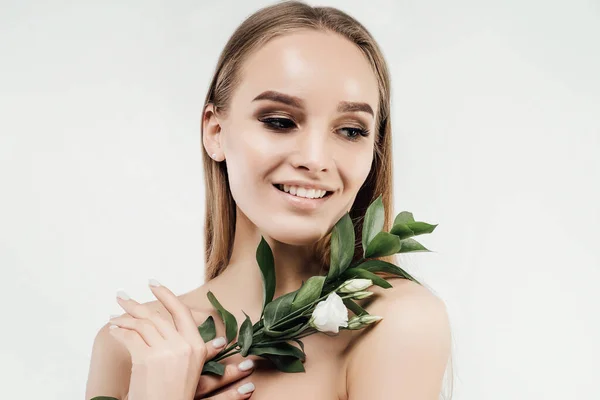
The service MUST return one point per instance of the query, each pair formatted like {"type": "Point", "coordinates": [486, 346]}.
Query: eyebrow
{"type": "Point", "coordinates": [293, 101]}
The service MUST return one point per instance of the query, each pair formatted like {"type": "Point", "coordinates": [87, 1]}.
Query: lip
{"type": "Point", "coordinates": [301, 202]}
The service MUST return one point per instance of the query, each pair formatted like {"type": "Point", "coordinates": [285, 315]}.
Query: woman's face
{"type": "Point", "coordinates": [303, 114]}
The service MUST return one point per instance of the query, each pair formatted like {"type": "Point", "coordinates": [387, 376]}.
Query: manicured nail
{"type": "Point", "coordinates": [153, 282]}
{"type": "Point", "coordinates": [219, 342]}
{"type": "Point", "coordinates": [114, 316]}
{"type": "Point", "coordinates": [246, 365]}
{"type": "Point", "coordinates": [246, 388]}
{"type": "Point", "coordinates": [122, 295]}
{"type": "Point", "coordinates": [111, 327]}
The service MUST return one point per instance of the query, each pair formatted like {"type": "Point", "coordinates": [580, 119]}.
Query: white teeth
{"type": "Point", "coordinates": [303, 192]}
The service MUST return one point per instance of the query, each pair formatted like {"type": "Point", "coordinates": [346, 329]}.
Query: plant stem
{"type": "Point", "coordinates": [300, 310]}
{"type": "Point", "coordinates": [292, 316]}
{"type": "Point", "coordinates": [357, 262]}
{"type": "Point", "coordinates": [225, 355]}
{"type": "Point", "coordinates": [224, 352]}
{"type": "Point", "coordinates": [306, 307]}
{"type": "Point", "coordinates": [229, 351]}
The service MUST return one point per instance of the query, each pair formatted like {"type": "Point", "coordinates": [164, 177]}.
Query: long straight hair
{"type": "Point", "coordinates": [280, 19]}
{"type": "Point", "coordinates": [262, 26]}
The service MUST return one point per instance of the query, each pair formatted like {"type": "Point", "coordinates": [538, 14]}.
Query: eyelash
{"type": "Point", "coordinates": [269, 122]}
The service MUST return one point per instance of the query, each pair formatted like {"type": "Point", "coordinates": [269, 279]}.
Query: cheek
{"type": "Point", "coordinates": [250, 157]}
{"type": "Point", "coordinates": [248, 144]}
{"type": "Point", "coordinates": [356, 168]}
{"type": "Point", "coordinates": [244, 151]}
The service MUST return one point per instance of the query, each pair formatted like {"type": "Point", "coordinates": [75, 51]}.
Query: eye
{"type": "Point", "coordinates": [355, 132]}
{"type": "Point", "coordinates": [278, 123]}
{"type": "Point", "coordinates": [283, 124]}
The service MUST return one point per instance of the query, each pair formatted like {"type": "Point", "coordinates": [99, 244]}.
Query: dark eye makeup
{"type": "Point", "coordinates": [286, 124]}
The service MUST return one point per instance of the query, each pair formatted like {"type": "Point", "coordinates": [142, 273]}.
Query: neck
{"type": "Point", "coordinates": [293, 264]}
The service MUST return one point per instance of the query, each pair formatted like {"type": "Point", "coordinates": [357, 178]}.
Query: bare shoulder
{"type": "Point", "coordinates": [110, 367]}
{"type": "Point", "coordinates": [404, 301]}
{"type": "Point", "coordinates": [110, 364]}
{"type": "Point", "coordinates": [404, 355]}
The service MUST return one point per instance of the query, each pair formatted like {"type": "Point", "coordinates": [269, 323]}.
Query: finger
{"type": "Point", "coordinates": [243, 391]}
{"type": "Point", "coordinates": [182, 316]}
{"type": "Point", "coordinates": [144, 327]}
{"type": "Point", "coordinates": [233, 372]}
{"type": "Point", "coordinates": [131, 306]}
{"type": "Point", "coordinates": [214, 347]}
{"type": "Point", "coordinates": [141, 311]}
{"type": "Point", "coordinates": [132, 341]}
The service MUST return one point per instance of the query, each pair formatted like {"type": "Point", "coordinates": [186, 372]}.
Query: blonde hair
{"type": "Point", "coordinates": [255, 31]}
{"type": "Point", "coordinates": [262, 26]}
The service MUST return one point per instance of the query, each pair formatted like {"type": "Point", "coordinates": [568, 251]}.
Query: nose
{"type": "Point", "coordinates": [312, 151]}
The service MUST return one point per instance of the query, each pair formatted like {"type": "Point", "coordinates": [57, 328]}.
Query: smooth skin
{"type": "Point", "coordinates": [167, 356]}
{"type": "Point", "coordinates": [165, 351]}
{"type": "Point", "coordinates": [267, 141]}
{"type": "Point", "coordinates": [264, 141]}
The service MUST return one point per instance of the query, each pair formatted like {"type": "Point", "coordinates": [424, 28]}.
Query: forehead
{"type": "Point", "coordinates": [323, 68]}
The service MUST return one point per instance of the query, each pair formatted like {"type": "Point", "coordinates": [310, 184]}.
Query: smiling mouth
{"type": "Point", "coordinates": [280, 188]}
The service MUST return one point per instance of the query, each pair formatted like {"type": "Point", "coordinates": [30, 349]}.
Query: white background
{"type": "Point", "coordinates": [496, 119]}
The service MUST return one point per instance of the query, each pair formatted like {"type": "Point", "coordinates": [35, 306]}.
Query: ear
{"type": "Point", "coordinates": [211, 136]}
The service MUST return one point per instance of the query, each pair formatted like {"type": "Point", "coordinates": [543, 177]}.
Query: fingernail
{"type": "Point", "coordinates": [111, 327]}
{"type": "Point", "coordinates": [114, 316]}
{"type": "Point", "coordinates": [153, 282]}
{"type": "Point", "coordinates": [219, 342]}
{"type": "Point", "coordinates": [246, 365]}
{"type": "Point", "coordinates": [246, 388]}
{"type": "Point", "coordinates": [122, 295]}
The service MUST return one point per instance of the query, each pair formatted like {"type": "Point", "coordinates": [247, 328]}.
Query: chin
{"type": "Point", "coordinates": [296, 236]}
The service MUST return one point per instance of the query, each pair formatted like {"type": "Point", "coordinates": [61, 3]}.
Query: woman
{"type": "Point", "coordinates": [299, 107]}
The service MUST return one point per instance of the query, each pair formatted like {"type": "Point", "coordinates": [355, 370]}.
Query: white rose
{"type": "Point", "coordinates": [355, 285]}
{"type": "Point", "coordinates": [330, 314]}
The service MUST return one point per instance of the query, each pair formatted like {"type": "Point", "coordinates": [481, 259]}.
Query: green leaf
{"type": "Point", "coordinates": [409, 229]}
{"type": "Point", "coordinates": [363, 273]}
{"type": "Point", "coordinates": [281, 348]}
{"type": "Point", "coordinates": [278, 308]}
{"type": "Point", "coordinates": [286, 363]}
{"type": "Point", "coordinates": [402, 231]}
{"type": "Point", "coordinates": [404, 218]}
{"type": "Point", "coordinates": [213, 367]}
{"type": "Point", "coordinates": [299, 342]}
{"type": "Point", "coordinates": [264, 257]}
{"type": "Point", "coordinates": [245, 336]}
{"type": "Point", "coordinates": [373, 223]}
{"type": "Point", "coordinates": [257, 325]}
{"type": "Point", "coordinates": [384, 266]}
{"type": "Point", "coordinates": [420, 228]}
{"type": "Point", "coordinates": [355, 308]}
{"type": "Point", "coordinates": [207, 329]}
{"type": "Point", "coordinates": [383, 244]}
{"type": "Point", "coordinates": [342, 246]}
{"type": "Point", "coordinates": [308, 293]}
{"type": "Point", "coordinates": [290, 331]}
{"type": "Point", "coordinates": [410, 246]}
{"type": "Point", "coordinates": [227, 317]}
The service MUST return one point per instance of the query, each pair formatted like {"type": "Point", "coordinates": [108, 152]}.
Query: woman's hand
{"type": "Point", "coordinates": [167, 356]}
